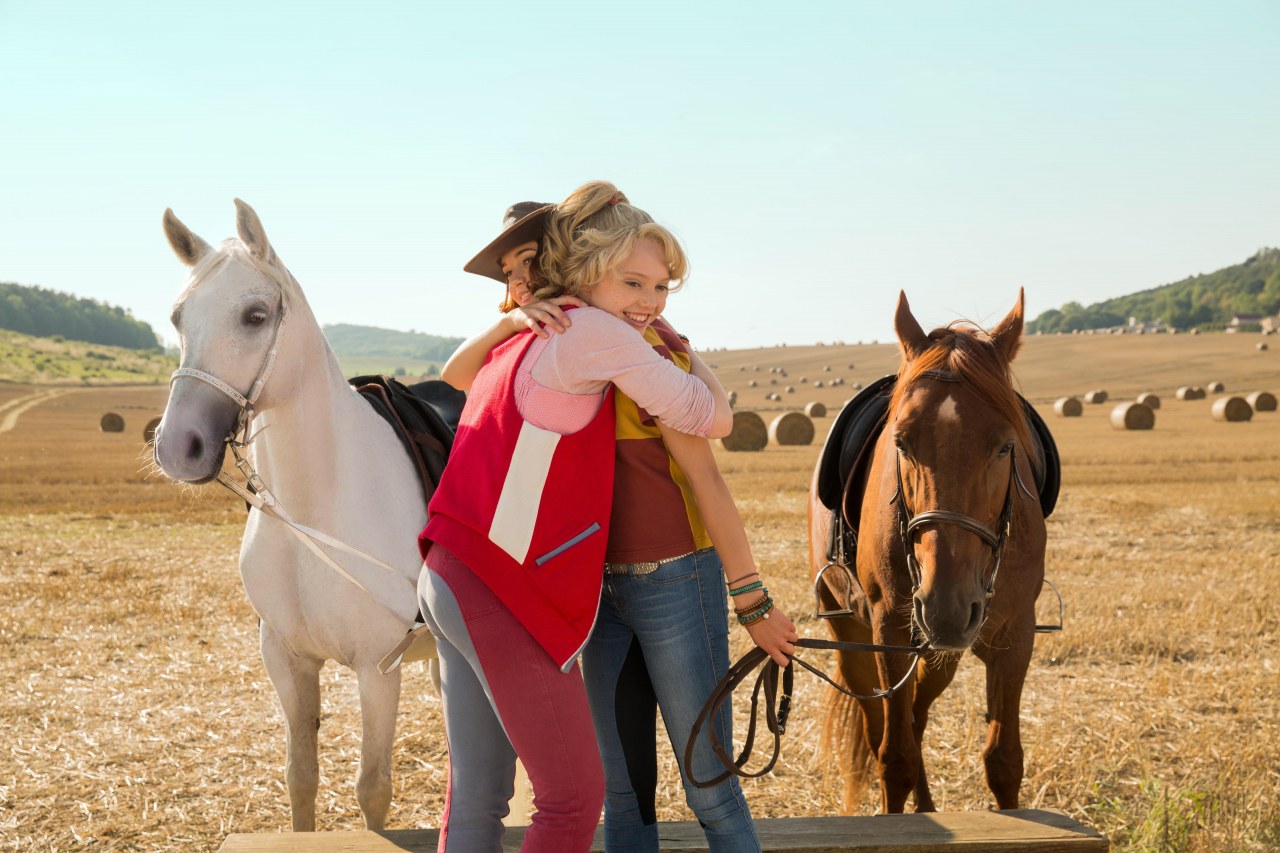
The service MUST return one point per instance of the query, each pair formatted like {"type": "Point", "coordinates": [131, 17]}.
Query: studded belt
{"type": "Point", "coordinates": [642, 568]}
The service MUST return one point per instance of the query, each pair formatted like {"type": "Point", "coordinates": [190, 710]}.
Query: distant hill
{"type": "Point", "coordinates": [54, 361]}
{"type": "Point", "coordinates": [1202, 301]}
{"type": "Point", "coordinates": [45, 313]}
{"type": "Point", "coordinates": [351, 342]}
{"type": "Point", "coordinates": [368, 349]}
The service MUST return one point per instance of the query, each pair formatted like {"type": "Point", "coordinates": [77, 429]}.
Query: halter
{"type": "Point", "coordinates": [254, 491]}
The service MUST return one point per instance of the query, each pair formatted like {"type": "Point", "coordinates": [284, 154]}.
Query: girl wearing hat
{"type": "Point", "coordinates": [518, 530]}
{"type": "Point", "coordinates": [662, 627]}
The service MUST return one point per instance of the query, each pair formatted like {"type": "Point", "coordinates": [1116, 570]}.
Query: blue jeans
{"type": "Point", "coordinates": [679, 616]}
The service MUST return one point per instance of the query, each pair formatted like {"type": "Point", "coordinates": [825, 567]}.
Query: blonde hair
{"type": "Point", "coordinates": [590, 234]}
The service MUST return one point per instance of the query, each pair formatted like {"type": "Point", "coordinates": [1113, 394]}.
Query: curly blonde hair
{"type": "Point", "coordinates": [590, 234]}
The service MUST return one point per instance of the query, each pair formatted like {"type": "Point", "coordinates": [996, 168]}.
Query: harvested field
{"type": "Point", "coordinates": [139, 716]}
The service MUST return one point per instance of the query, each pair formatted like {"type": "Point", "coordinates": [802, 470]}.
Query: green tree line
{"type": "Point", "coordinates": [45, 313]}
{"type": "Point", "coordinates": [350, 341]}
{"type": "Point", "coordinates": [1205, 301]}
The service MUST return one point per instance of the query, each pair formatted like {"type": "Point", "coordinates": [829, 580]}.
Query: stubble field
{"type": "Point", "coordinates": [138, 715]}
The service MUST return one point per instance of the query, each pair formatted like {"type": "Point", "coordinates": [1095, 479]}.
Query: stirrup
{"type": "Point", "coordinates": [847, 610]}
{"type": "Point", "coordinates": [1062, 610]}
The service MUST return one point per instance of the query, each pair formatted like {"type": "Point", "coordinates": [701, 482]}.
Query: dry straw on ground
{"type": "Point", "coordinates": [139, 717]}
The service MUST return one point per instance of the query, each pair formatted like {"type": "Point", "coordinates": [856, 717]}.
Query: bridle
{"type": "Point", "coordinates": [909, 525]}
{"type": "Point", "coordinates": [254, 490]}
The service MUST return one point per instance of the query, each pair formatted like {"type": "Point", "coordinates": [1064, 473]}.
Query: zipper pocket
{"type": "Point", "coordinates": [557, 551]}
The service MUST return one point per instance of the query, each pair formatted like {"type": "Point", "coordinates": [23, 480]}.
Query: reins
{"type": "Point", "coordinates": [777, 706]}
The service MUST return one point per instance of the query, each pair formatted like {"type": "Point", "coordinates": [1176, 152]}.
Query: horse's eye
{"type": "Point", "coordinates": [902, 447]}
{"type": "Point", "coordinates": [255, 317]}
{"type": "Point", "coordinates": [1006, 450]}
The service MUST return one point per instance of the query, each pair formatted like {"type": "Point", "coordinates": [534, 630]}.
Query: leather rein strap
{"type": "Point", "coordinates": [777, 707]}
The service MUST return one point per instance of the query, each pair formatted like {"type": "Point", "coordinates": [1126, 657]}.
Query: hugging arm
{"type": "Point", "coordinates": [545, 317]}
{"type": "Point", "coordinates": [777, 634]}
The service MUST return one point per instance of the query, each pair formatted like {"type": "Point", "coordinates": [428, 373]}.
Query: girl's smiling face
{"type": "Point", "coordinates": [517, 266]}
{"type": "Point", "coordinates": [636, 292]}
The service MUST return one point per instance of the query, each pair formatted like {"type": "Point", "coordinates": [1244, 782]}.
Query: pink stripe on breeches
{"type": "Point", "coordinates": [502, 690]}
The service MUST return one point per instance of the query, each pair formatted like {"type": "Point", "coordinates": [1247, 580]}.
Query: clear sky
{"type": "Point", "coordinates": [815, 157]}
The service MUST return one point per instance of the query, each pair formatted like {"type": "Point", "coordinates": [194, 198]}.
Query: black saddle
{"type": "Point", "coordinates": [424, 418]}
{"type": "Point", "coordinates": [846, 458]}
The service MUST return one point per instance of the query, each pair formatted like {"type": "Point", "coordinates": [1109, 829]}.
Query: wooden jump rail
{"type": "Point", "coordinates": [1013, 831]}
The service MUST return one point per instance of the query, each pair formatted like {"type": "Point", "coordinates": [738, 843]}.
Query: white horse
{"type": "Point", "coordinates": [253, 356]}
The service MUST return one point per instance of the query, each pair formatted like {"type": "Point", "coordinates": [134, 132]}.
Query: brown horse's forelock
{"type": "Point", "coordinates": [968, 354]}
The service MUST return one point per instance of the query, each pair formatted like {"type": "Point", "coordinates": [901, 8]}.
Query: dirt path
{"type": "Point", "coordinates": [14, 409]}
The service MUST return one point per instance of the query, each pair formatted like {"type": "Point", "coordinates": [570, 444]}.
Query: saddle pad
{"type": "Point", "coordinates": [854, 430]}
{"type": "Point", "coordinates": [422, 428]}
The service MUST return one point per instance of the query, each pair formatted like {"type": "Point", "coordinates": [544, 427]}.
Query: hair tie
{"type": "Point", "coordinates": [614, 201]}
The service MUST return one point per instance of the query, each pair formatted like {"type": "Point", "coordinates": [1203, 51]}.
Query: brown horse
{"type": "Point", "coordinates": [950, 553]}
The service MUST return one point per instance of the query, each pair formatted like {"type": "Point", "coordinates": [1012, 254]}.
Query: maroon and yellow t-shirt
{"type": "Point", "coordinates": [654, 513]}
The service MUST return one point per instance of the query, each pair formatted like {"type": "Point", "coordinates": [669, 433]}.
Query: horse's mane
{"type": "Point", "coordinates": [233, 249]}
{"type": "Point", "coordinates": [969, 355]}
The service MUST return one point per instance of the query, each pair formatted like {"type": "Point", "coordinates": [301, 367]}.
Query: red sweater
{"type": "Point", "coordinates": [528, 509]}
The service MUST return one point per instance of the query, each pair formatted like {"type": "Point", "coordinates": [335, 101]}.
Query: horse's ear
{"type": "Point", "coordinates": [251, 232]}
{"type": "Point", "coordinates": [911, 337]}
{"type": "Point", "coordinates": [186, 245]}
{"type": "Point", "coordinates": [1008, 334]}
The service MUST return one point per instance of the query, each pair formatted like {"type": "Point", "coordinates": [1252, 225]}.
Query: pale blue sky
{"type": "Point", "coordinates": [814, 156]}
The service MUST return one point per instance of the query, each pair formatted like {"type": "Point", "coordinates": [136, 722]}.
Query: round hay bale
{"type": "Point", "coordinates": [1095, 396]}
{"type": "Point", "coordinates": [818, 384]}
{"type": "Point", "coordinates": [791, 428]}
{"type": "Point", "coordinates": [749, 433]}
{"type": "Point", "coordinates": [1068, 407]}
{"type": "Point", "coordinates": [1151, 401]}
{"type": "Point", "coordinates": [1262, 401]}
{"type": "Point", "coordinates": [733, 397]}
{"type": "Point", "coordinates": [1262, 346]}
{"type": "Point", "coordinates": [1133, 416]}
{"type": "Point", "coordinates": [791, 389]}
{"type": "Point", "coordinates": [775, 396]}
{"type": "Point", "coordinates": [149, 432]}
{"type": "Point", "coordinates": [1232, 409]}
{"type": "Point", "coordinates": [773, 382]}
{"type": "Point", "coordinates": [804, 379]}
{"type": "Point", "coordinates": [815, 410]}
{"type": "Point", "coordinates": [1190, 392]}
{"type": "Point", "coordinates": [751, 383]}
{"type": "Point", "coordinates": [826, 368]}
{"type": "Point", "coordinates": [111, 422]}
{"type": "Point", "coordinates": [1216, 388]}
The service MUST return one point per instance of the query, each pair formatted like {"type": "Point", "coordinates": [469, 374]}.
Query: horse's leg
{"type": "Point", "coordinates": [932, 677]}
{"type": "Point", "coordinates": [1006, 673]}
{"type": "Point", "coordinates": [899, 751]}
{"type": "Point", "coordinates": [297, 683]}
{"type": "Point", "coordinates": [862, 722]}
{"type": "Point", "coordinates": [379, 697]}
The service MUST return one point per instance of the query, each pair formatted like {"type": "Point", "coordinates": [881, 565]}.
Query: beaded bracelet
{"type": "Point", "coordinates": [754, 617]}
{"type": "Point", "coordinates": [758, 604]}
{"type": "Point", "coordinates": [754, 585]}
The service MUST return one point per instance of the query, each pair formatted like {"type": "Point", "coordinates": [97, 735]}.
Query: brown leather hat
{"type": "Point", "coordinates": [522, 222]}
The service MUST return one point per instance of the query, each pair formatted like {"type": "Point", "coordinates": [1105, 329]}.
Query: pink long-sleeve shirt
{"type": "Point", "coordinates": [560, 382]}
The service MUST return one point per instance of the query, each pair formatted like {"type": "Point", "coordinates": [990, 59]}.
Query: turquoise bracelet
{"type": "Point", "coordinates": [754, 585]}
{"type": "Point", "coordinates": [762, 613]}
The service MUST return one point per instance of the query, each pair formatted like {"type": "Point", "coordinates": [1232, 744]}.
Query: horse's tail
{"type": "Point", "coordinates": [844, 740]}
